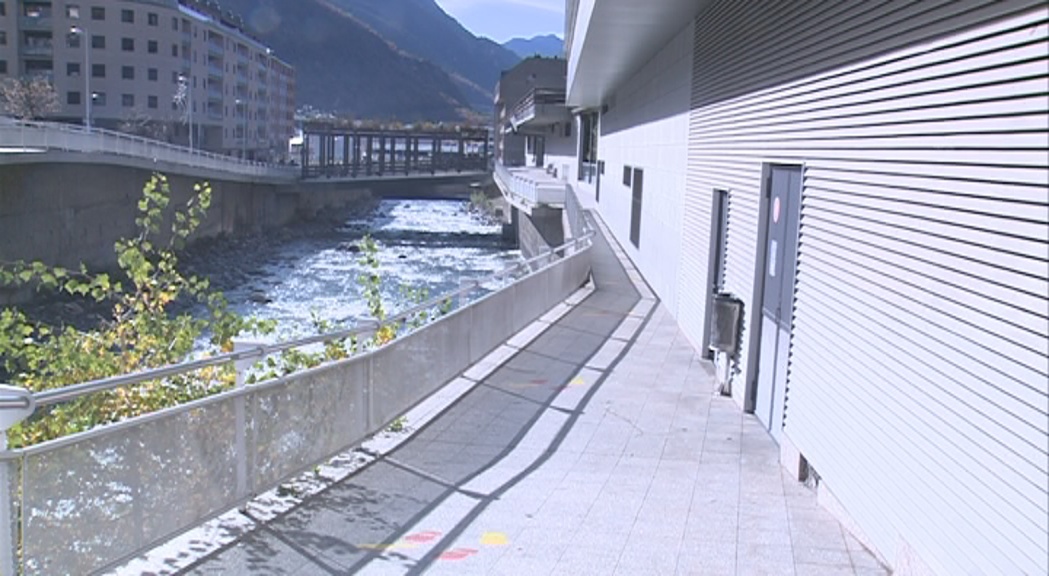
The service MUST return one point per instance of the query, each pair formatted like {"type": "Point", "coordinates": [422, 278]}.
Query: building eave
{"type": "Point", "coordinates": [613, 38]}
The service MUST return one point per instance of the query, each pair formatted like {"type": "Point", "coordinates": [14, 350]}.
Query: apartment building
{"type": "Point", "coordinates": [131, 56]}
{"type": "Point", "coordinates": [530, 115]}
{"type": "Point", "coordinates": [871, 181]}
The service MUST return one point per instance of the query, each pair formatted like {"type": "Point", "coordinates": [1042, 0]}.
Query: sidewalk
{"type": "Point", "coordinates": [596, 447]}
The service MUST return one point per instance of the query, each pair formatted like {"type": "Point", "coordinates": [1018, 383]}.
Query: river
{"type": "Point", "coordinates": [425, 244]}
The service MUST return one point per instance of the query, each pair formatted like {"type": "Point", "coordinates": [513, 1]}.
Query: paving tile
{"type": "Point", "coordinates": [705, 565]}
{"type": "Point", "coordinates": [654, 558]}
{"type": "Point", "coordinates": [827, 534]}
{"type": "Point", "coordinates": [821, 570]}
{"type": "Point", "coordinates": [584, 561]}
{"type": "Point", "coordinates": [822, 556]}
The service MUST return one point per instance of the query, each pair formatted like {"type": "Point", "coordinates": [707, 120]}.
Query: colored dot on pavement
{"type": "Point", "coordinates": [458, 554]}
{"type": "Point", "coordinates": [422, 536]}
{"type": "Point", "coordinates": [578, 381]}
{"type": "Point", "coordinates": [494, 539]}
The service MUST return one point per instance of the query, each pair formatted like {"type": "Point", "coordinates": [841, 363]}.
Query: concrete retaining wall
{"type": "Point", "coordinates": [540, 231]}
{"type": "Point", "coordinates": [67, 214]}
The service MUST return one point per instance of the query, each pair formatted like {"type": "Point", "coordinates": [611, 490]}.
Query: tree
{"type": "Point", "coordinates": [141, 333]}
{"type": "Point", "coordinates": [138, 123]}
{"type": "Point", "coordinates": [29, 97]}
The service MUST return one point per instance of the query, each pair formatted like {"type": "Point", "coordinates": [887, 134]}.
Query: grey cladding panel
{"type": "Point", "coordinates": [919, 375]}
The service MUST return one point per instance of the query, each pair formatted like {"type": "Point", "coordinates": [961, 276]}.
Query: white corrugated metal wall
{"type": "Point", "coordinates": [645, 125]}
{"type": "Point", "coordinates": [918, 382]}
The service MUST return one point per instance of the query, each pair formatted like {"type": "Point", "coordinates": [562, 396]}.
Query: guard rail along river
{"type": "Point", "coordinates": [85, 502]}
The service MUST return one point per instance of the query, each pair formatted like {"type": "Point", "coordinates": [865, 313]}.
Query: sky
{"type": "Point", "coordinates": [502, 20]}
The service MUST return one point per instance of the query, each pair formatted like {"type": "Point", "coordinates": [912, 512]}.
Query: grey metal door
{"type": "Point", "coordinates": [777, 306]}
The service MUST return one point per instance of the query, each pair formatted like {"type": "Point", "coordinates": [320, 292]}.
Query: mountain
{"type": "Point", "coordinates": [422, 28]}
{"type": "Point", "coordinates": [549, 46]}
{"type": "Point", "coordinates": [344, 66]}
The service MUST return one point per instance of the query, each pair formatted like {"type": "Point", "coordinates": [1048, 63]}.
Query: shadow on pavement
{"type": "Point", "coordinates": [362, 518]}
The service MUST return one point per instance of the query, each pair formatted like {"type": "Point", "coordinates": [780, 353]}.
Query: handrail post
{"type": "Point", "coordinates": [465, 287]}
{"type": "Point", "coordinates": [240, 441]}
{"type": "Point", "coordinates": [23, 407]}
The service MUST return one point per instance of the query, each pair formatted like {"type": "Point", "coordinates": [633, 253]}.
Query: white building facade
{"type": "Point", "coordinates": [872, 182]}
{"type": "Point", "coordinates": [130, 58]}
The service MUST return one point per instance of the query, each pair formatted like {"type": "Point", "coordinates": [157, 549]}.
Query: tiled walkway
{"type": "Point", "coordinates": [596, 445]}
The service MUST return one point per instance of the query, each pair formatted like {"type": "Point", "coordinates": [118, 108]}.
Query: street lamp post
{"type": "Point", "coordinates": [85, 40]}
{"type": "Point", "coordinates": [189, 105]}
{"type": "Point", "coordinates": [242, 107]}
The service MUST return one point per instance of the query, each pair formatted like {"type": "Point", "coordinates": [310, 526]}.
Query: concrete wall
{"type": "Point", "coordinates": [66, 214]}
{"type": "Point", "coordinates": [559, 150]}
{"type": "Point", "coordinates": [543, 229]}
{"type": "Point", "coordinates": [69, 213]}
{"type": "Point", "coordinates": [512, 149]}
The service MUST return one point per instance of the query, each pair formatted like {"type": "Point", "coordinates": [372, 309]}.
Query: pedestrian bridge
{"type": "Point", "coordinates": [328, 154]}
{"type": "Point", "coordinates": [349, 153]}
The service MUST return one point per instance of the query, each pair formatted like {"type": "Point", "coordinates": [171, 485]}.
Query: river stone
{"type": "Point", "coordinates": [260, 298]}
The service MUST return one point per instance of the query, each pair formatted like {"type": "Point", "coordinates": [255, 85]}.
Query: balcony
{"type": "Point", "coordinates": [528, 187]}
{"type": "Point", "coordinates": [540, 108]}
{"type": "Point", "coordinates": [40, 21]}
{"type": "Point", "coordinates": [37, 46]}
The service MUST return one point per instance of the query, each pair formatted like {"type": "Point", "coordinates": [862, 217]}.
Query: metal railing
{"type": "Point", "coordinates": [539, 102]}
{"type": "Point", "coordinates": [43, 136]}
{"type": "Point", "coordinates": [529, 187]}
{"type": "Point", "coordinates": [149, 478]}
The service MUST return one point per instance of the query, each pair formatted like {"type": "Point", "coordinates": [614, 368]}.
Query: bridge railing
{"type": "Point", "coordinates": [42, 136]}
{"type": "Point", "coordinates": [86, 502]}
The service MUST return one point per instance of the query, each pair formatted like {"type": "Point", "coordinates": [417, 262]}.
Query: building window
{"type": "Point", "coordinates": [98, 13]}
{"type": "Point", "coordinates": [98, 42]}
{"type": "Point", "coordinates": [626, 175]}
{"type": "Point", "coordinates": [174, 50]}
{"type": "Point", "coordinates": [73, 69]}
{"type": "Point", "coordinates": [568, 129]}
{"type": "Point", "coordinates": [72, 98]}
{"type": "Point", "coordinates": [127, 72]}
{"type": "Point", "coordinates": [174, 24]}
{"type": "Point", "coordinates": [3, 38]}
{"type": "Point", "coordinates": [98, 70]}
{"type": "Point", "coordinates": [73, 12]}
{"type": "Point", "coordinates": [127, 15]}
{"type": "Point", "coordinates": [127, 100]}
{"type": "Point", "coordinates": [98, 98]}
{"type": "Point", "coordinates": [151, 102]}
{"type": "Point", "coordinates": [151, 47]}
{"type": "Point", "coordinates": [152, 19]}
{"type": "Point", "coordinates": [152, 74]}
{"type": "Point", "coordinates": [127, 44]}
{"type": "Point", "coordinates": [3, 66]}
{"type": "Point", "coordinates": [3, 9]}
{"type": "Point", "coordinates": [73, 40]}
{"type": "Point", "coordinates": [635, 208]}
